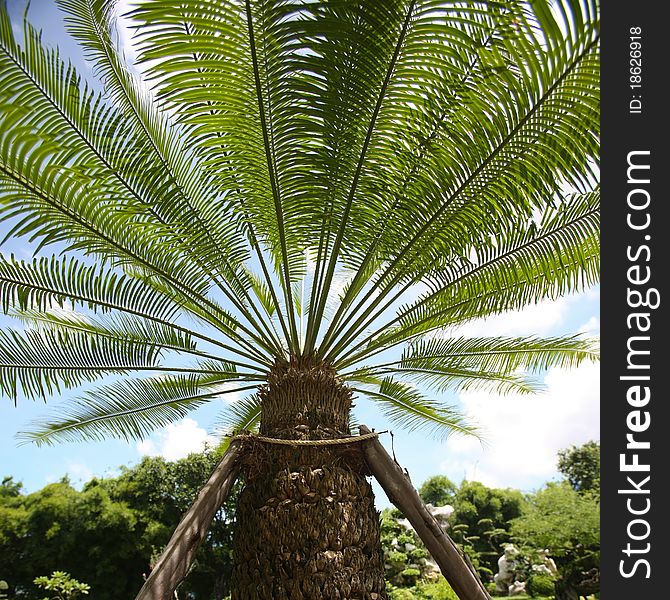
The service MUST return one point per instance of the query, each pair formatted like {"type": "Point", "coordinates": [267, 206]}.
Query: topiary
{"type": "Point", "coordinates": [400, 594]}
{"type": "Point", "coordinates": [410, 575]}
{"type": "Point", "coordinates": [539, 585]}
{"type": "Point", "coordinates": [395, 557]}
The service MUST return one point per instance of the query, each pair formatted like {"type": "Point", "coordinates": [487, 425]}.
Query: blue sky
{"type": "Point", "coordinates": [522, 434]}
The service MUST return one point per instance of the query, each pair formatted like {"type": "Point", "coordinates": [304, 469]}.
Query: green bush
{"type": "Point", "coordinates": [418, 553]}
{"type": "Point", "coordinates": [396, 557]}
{"type": "Point", "coordinates": [410, 575]}
{"type": "Point", "coordinates": [62, 586]}
{"type": "Point", "coordinates": [401, 594]}
{"type": "Point", "coordinates": [540, 585]}
{"type": "Point", "coordinates": [440, 590]}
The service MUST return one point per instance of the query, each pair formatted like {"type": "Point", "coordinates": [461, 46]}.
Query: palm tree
{"type": "Point", "coordinates": [301, 201]}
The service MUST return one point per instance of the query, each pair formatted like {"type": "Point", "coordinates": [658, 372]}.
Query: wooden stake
{"type": "Point", "coordinates": [460, 575]}
{"type": "Point", "coordinates": [175, 561]}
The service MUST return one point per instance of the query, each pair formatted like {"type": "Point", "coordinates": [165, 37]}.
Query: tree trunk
{"type": "Point", "coordinates": [565, 591]}
{"type": "Point", "coordinates": [307, 527]}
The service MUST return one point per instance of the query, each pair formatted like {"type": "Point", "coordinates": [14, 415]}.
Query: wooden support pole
{"type": "Point", "coordinates": [176, 559]}
{"type": "Point", "coordinates": [460, 575]}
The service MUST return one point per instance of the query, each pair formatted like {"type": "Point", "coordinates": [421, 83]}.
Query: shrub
{"type": "Point", "coordinates": [396, 557]}
{"type": "Point", "coordinates": [440, 590]}
{"type": "Point", "coordinates": [401, 594]}
{"type": "Point", "coordinates": [418, 554]}
{"type": "Point", "coordinates": [62, 586]}
{"type": "Point", "coordinates": [540, 585]}
{"type": "Point", "coordinates": [410, 575]}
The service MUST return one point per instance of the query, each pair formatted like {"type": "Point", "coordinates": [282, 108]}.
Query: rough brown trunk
{"type": "Point", "coordinates": [306, 523]}
{"type": "Point", "coordinates": [566, 592]}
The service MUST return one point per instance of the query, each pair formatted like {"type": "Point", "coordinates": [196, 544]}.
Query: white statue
{"type": "Point", "coordinates": [547, 565]}
{"type": "Point", "coordinates": [518, 588]}
{"type": "Point", "coordinates": [441, 513]}
{"type": "Point", "coordinates": [507, 565]}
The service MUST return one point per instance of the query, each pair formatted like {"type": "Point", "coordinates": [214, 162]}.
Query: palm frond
{"type": "Point", "coordinates": [130, 410]}
{"type": "Point", "coordinates": [496, 151]}
{"type": "Point", "coordinates": [457, 363]}
{"type": "Point", "coordinates": [409, 409]}
{"type": "Point", "coordinates": [46, 180]}
{"type": "Point", "coordinates": [241, 415]}
{"type": "Point", "coordinates": [525, 264]}
{"type": "Point", "coordinates": [45, 282]}
{"type": "Point", "coordinates": [186, 201]}
{"type": "Point", "coordinates": [36, 363]}
{"type": "Point", "coordinates": [500, 354]}
{"type": "Point", "coordinates": [385, 58]}
{"type": "Point", "coordinates": [442, 379]}
{"type": "Point", "coordinates": [116, 326]}
{"type": "Point", "coordinates": [199, 57]}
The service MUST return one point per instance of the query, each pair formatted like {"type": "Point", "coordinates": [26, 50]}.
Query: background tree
{"type": "Point", "coordinates": [481, 522]}
{"type": "Point", "coordinates": [304, 204]}
{"type": "Point", "coordinates": [438, 490]}
{"type": "Point", "coordinates": [580, 465]}
{"type": "Point", "coordinates": [10, 488]}
{"type": "Point", "coordinates": [123, 522]}
{"type": "Point", "coordinates": [573, 542]}
{"type": "Point", "coordinates": [161, 492]}
{"type": "Point", "coordinates": [46, 531]}
{"type": "Point", "coordinates": [564, 519]}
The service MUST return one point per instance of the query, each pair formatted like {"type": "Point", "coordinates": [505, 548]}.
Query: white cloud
{"type": "Point", "coordinates": [228, 390]}
{"type": "Point", "coordinates": [591, 327]}
{"type": "Point", "coordinates": [176, 441]}
{"type": "Point", "coordinates": [523, 433]}
{"type": "Point", "coordinates": [79, 471]}
{"type": "Point", "coordinates": [535, 319]}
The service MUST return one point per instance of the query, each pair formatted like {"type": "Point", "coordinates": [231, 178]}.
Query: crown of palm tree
{"type": "Point", "coordinates": [342, 182]}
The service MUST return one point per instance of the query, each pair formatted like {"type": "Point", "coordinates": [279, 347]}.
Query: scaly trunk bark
{"type": "Point", "coordinates": [307, 527]}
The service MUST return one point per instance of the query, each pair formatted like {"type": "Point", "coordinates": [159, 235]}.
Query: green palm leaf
{"type": "Point", "coordinates": [40, 176]}
{"type": "Point", "coordinates": [129, 409]}
{"type": "Point", "coordinates": [47, 281]}
{"type": "Point", "coordinates": [240, 415]}
{"type": "Point", "coordinates": [411, 410]}
{"type": "Point", "coordinates": [524, 264]}
{"type": "Point", "coordinates": [473, 363]}
{"type": "Point", "coordinates": [38, 362]}
{"type": "Point", "coordinates": [489, 171]}
{"type": "Point", "coordinates": [448, 378]}
{"type": "Point", "coordinates": [500, 354]}
{"type": "Point", "coordinates": [294, 183]}
{"type": "Point", "coordinates": [194, 211]}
